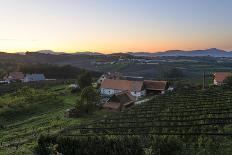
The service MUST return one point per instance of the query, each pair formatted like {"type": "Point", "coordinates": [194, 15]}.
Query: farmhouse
{"type": "Point", "coordinates": [155, 87]}
{"type": "Point", "coordinates": [34, 77]}
{"type": "Point", "coordinates": [219, 77]}
{"type": "Point", "coordinates": [110, 87]}
{"type": "Point", "coordinates": [14, 77]}
{"type": "Point", "coordinates": [120, 101]}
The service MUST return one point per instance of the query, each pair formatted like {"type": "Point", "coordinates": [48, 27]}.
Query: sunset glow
{"type": "Point", "coordinates": [114, 26]}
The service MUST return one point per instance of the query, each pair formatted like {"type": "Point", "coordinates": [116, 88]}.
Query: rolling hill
{"type": "Point", "coordinates": [212, 52]}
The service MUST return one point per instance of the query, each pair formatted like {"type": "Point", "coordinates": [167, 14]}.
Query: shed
{"type": "Point", "coordinates": [155, 87]}
{"type": "Point", "coordinates": [120, 101]}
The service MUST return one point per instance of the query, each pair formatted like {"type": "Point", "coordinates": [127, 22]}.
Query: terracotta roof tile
{"type": "Point", "coordinates": [117, 100]}
{"type": "Point", "coordinates": [16, 75]}
{"type": "Point", "coordinates": [221, 76]}
{"type": "Point", "coordinates": [122, 85]}
{"type": "Point", "coordinates": [155, 85]}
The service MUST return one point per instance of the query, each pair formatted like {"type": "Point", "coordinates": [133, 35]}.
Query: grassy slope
{"type": "Point", "coordinates": [25, 132]}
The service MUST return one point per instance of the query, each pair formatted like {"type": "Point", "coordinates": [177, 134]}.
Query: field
{"type": "Point", "coordinates": [198, 122]}
{"type": "Point", "coordinates": [29, 112]}
{"type": "Point", "coordinates": [162, 68]}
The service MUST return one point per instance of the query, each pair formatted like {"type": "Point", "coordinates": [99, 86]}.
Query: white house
{"type": "Point", "coordinates": [34, 77]}
{"type": "Point", "coordinates": [110, 87]}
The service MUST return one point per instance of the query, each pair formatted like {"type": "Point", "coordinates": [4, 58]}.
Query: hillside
{"type": "Point", "coordinates": [195, 122]}
{"type": "Point", "coordinates": [128, 65]}
{"type": "Point", "coordinates": [30, 112]}
{"type": "Point", "coordinates": [213, 52]}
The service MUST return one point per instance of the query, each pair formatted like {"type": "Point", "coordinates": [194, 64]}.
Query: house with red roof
{"type": "Point", "coordinates": [219, 77]}
{"type": "Point", "coordinates": [14, 77]}
{"type": "Point", "coordinates": [119, 101]}
{"type": "Point", "coordinates": [110, 87]}
{"type": "Point", "coordinates": [155, 87]}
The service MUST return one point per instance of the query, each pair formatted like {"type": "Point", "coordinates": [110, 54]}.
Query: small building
{"type": "Point", "coordinates": [14, 77]}
{"type": "Point", "coordinates": [34, 77]}
{"type": "Point", "coordinates": [220, 77]}
{"type": "Point", "coordinates": [155, 87]}
{"type": "Point", "coordinates": [110, 87]}
{"type": "Point", "coordinates": [120, 101]}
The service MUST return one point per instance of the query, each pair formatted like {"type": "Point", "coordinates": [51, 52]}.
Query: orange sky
{"type": "Point", "coordinates": [115, 26]}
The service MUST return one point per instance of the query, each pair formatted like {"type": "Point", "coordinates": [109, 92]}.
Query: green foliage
{"type": "Point", "coordinates": [14, 87]}
{"type": "Point", "coordinates": [187, 122]}
{"type": "Point", "coordinates": [103, 145]}
{"type": "Point", "coordinates": [56, 72]}
{"type": "Point", "coordinates": [89, 98]}
{"type": "Point", "coordinates": [84, 80]}
{"type": "Point", "coordinates": [25, 102]}
{"type": "Point", "coordinates": [228, 81]}
{"type": "Point", "coordinates": [166, 145]}
{"type": "Point", "coordinates": [174, 73]}
{"type": "Point", "coordinates": [27, 121]}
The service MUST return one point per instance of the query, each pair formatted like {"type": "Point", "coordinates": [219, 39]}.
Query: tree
{"type": "Point", "coordinates": [84, 80]}
{"type": "Point", "coordinates": [89, 98]}
{"type": "Point", "coordinates": [168, 145]}
{"type": "Point", "coordinates": [174, 73]}
{"type": "Point", "coordinates": [228, 81]}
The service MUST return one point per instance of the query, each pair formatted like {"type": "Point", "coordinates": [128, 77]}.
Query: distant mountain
{"type": "Point", "coordinates": [121, 55]}
{"type": "Point", "coordinates": [213, 52]}
{"type": "Point", "coordinates": [87, 53]}
{"type": "Point", "coordinates": [60, 53]}
{"type": "Point", "coordinates": [50, 52]}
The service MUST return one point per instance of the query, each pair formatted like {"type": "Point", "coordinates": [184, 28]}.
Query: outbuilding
{"type": "Point", "coordinates": [120, 101]}
{"type": "Point", "coordinates": [155, 87]}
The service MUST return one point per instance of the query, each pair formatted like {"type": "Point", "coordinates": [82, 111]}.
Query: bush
{"type": "Point", "coordinates": [104, 145]}
{"type": "Point", "coordinates": [166, 145]}
{"type": "Point", "coordinates": [89, 98]}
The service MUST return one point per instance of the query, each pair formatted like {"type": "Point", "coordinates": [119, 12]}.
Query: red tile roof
{"type": "Point", "coordinates": [122, 85]}
{"type": "Point", "coordinates": [221, 76]}
{"type": "Point", "coordinates": [155, 85]}
{"type": "Point", "coordinates": [16, 76]}
{"type": "Point", "coordinates": [118, 100]}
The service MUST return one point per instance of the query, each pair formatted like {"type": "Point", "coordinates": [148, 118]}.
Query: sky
{"type": "Point", "coordinates": [115, 25]}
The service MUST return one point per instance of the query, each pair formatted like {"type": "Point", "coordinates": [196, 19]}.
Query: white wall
{"type": "Point", "coordinates": [216, 83]}
{"type": "Point", "coordinates": [105, 91]}
{"type": "Point", "coordinates": [138, 94]}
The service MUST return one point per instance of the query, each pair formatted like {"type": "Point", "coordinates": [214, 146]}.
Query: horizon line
{"type": "Point", "coordinates": [71, 52]}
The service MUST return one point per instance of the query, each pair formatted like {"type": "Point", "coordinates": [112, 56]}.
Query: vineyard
{"type": "Point", "coordinates": [175, 114]}
{"type": "Point", "coordinates": [200, 121]}
{"type": "Point", "coordinates": [33, 110]}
